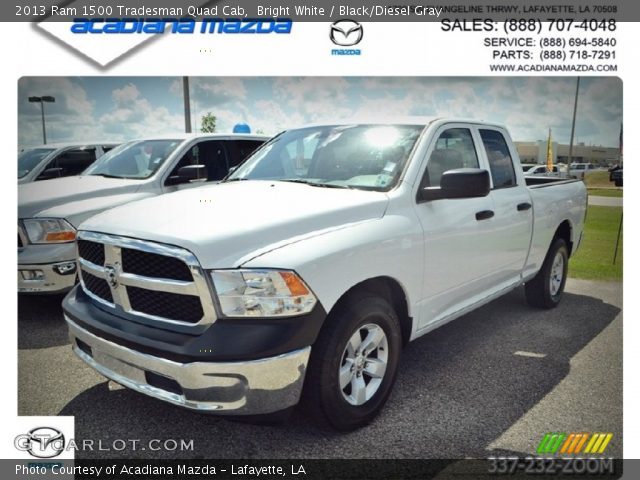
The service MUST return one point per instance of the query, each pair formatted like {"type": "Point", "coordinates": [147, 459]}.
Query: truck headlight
{"type": "Point", "coordinates": [262, 293]}
{"type": "Point", "coordinates": [49, 230]}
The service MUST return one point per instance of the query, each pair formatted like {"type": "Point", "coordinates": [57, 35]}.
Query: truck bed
{"type": "Point", "coordinates": [555, 200]}
{"type": "Point", "coordinates": [538, 182]}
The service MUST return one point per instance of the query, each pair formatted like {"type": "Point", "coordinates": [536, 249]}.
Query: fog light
{"type": "Point", "coordinates": [66, 268]}
{"type": "Point", "coordinates": [32, 275]}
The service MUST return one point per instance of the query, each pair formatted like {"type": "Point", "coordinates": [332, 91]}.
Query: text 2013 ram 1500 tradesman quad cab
{"type": "Point", "coordinates": [308, 269]}
{"type": "Point", "coordinates": [49, 212]}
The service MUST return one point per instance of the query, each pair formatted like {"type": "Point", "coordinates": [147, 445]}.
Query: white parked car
{"type": "Point", "coordinates": [305, 272]}
{"type": "Point", "coordinates": [541, 170]}
{"type": "Point", "coordinates": [49, 212]}
{"type": "Point", "coordinates": [59, 160]}
{"type": "Point", "coordinates": [578, 170]}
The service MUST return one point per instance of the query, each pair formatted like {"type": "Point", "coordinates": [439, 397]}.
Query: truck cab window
{"type": "Point", "coordinates": [73, 162]}
{"type": "Point", "coordinates": [211, 154]}
{"type": "Point", "coordinates": [453, 149]}
{"type": "Point", "coordinates": [500, 162]}
{"type": "Point", "coordinates": [242, 149]}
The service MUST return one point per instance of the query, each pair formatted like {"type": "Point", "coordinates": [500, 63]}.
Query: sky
{"type": "Point", "coordinates": [120, 108]}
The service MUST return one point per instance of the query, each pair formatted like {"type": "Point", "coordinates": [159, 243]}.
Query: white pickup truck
{"type": "Point", "coordinates": [304, 274]}
{"type": "Point", "coordinates": [49, 161]}
{"type": "Point", "coordinates": [49, 212]}
{"type": "Point", "coordinates": [579, 170]}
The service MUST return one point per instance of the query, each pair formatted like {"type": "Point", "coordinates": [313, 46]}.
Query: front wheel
{"type": "Point", "coordinates": [546, 288]}
{"type": "Point", "coordinates": [354, 363]}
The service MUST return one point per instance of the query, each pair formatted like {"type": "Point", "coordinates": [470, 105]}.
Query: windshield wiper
{"type": "Point", "coordinates": [315, 184]}
{"type": "Point", "coordinates": [235, 180]}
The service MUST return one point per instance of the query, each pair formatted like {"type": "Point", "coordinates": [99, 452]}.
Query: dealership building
{"type": "Point", "coordinates": [536, 152]}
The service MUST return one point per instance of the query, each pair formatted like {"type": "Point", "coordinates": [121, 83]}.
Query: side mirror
{"type": "Point", "coordinates": [459, 183]}
{"type": "Point", "coordinates": [188, 174]}
{"type": "Point", "coordinates": [50, 173]}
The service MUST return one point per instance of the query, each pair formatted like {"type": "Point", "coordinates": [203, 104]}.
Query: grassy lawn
{"type": "Point", "coordinates": [605, 192]}
{"type": "Point", "coordinates": [598, 179]}
{"type": "Point", "coordinates": [594, 260]}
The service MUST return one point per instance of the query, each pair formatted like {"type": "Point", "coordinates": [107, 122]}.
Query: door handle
{"type": "Point", "coordinates": [524, 206]}
{"type": "Point", "coordinates": [484, 215]}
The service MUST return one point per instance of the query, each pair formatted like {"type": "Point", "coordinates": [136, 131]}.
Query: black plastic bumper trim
{"type": "Point", "coordinates": [224, 340]}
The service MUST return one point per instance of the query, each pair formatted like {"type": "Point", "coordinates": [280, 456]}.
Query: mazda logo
{"type": "Point", "coordinates": [41, 442]}
{"type": "Point", "coordinates": [112, 275]}
{"type": "Point", "coordinates": [346, 33]}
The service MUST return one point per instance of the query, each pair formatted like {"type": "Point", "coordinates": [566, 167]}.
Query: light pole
{"type": "Point", "coordinates": [41, 101]}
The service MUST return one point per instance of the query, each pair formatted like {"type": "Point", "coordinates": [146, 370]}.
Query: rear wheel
{"type": "Point", "coordinates": [546, 288]}
{"type": "Point", "coordinates": [353, 363]}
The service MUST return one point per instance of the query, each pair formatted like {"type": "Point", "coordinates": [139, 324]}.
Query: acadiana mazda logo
{"type": "Point", "coordinates": [41, 442]}
{"type": "Point", "coordinates": [346, 33]}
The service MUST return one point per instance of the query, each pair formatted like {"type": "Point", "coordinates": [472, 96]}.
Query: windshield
{"type": "Point", "coordinates": [30, 159]}
{"type": "Point", "coordinates": [368, 157]}
{"type": "Point", "coordinates": [138, 159]}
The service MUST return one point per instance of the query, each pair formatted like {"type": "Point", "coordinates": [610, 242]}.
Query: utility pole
{"type": "Point", "coordinates": [187, 105]}
{"type": "Point", "coordinates": [573, 123]}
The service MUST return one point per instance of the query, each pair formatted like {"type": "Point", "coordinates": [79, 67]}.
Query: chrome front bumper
{"type": "Point", "coordinates": [44, 262]}
{"type": "Point", "coordinates": [48, 279]}
{"type": "Point", "coordinates": [239, 388]}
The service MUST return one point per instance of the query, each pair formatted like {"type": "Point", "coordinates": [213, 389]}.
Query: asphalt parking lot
{"type": "Point", "coordinates": [494, 381]}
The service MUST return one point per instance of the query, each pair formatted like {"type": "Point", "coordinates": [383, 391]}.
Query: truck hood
{"type": "Point", "coordinates": [228, 224]}
{"type": "Point", "coordinates": [39, 198]}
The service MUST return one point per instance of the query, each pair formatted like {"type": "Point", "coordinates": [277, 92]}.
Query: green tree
{"type": "Point", "coordinates": [208, 123]}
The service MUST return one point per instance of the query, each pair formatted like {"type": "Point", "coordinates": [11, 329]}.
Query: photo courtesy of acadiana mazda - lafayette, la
{"type": "Point", "coordinates": [303, 274]}
{"type": "Point", "coordinates": [49, 212]}
{"type": "Point", "coordinates": [59, 160]}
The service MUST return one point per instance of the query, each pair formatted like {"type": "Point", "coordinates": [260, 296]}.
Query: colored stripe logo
{"type": "Point", "coordinates": [574, 443]}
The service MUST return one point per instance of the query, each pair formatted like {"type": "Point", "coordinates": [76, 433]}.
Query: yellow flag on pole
{"type": "Point", "coordinates": [549, 154]}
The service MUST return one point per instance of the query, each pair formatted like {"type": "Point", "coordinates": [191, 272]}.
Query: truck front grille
{"type": "Point", "coordinates": [155, 266]}
{"type": "Point", "coordinates": [22, 236]}
{"type": "Point", "coordinates": [163, 304]}
{"type": "Point", "coordinates": [155, 282]}
{"type": "Point", "coordinates": [91, 251]}
{"type": "Point", "coordinates": [97, 286]}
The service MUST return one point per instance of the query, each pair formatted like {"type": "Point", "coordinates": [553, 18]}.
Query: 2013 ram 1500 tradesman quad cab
{"type": "Point", "coordinates": [308, 269]}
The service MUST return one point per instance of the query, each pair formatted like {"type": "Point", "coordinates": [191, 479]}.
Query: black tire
{"type": "Point", "coordinates": [323, 398]}
{"type": "Point", "coordinates": [618, 183]}
{"type": "Point", "coordinates": [539, 290]}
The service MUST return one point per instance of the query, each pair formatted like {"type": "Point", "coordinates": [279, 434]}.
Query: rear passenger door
{"type": "Point", "coordinates": [512, 221]}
